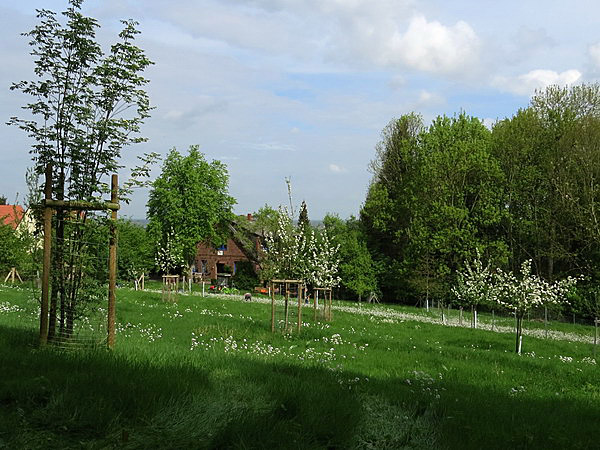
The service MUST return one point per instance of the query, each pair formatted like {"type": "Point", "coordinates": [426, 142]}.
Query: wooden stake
{"type": "Point", "coordinates": [112, 263]}
{"type": "Point", "coordinates": [47, 252]}
{"type": "Point", "coordinates": [287, 298]}
{"type": "Point", "coordinates": [272, 291]}
{"type": "Point", "coordinates": [11, 274]}
{"type": "Point", "coordinates": [299, 307]}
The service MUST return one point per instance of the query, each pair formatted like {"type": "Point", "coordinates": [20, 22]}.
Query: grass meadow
{"type": "Point", "coordinates": [206, 372]}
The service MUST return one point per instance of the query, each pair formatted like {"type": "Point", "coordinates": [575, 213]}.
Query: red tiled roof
{"type": "Point", "coordinates": [11, 215]}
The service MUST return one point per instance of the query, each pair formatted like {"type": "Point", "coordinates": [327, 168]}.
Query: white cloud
{"type": "Point", "coordinates": [351, 33]}
{"type": "Point", "coordinates": [527, 83]}
{"type": "Point", "coordinates": [428, 99]}
{"type": "Point", "coordinates": [594, 53]}
{"type": "Point", "coordinates": [272, 146]}
{"type": "Point", "coordinates": [336, 169]}
{"type": "Point", "coordinates": [433, 47]}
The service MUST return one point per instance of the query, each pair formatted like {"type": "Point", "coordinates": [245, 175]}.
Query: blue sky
{"type": "Point", "coordinates": [303, 88]}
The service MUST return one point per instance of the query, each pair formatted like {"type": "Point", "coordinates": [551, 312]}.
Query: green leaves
{"type": "Point", "coordinates": [436, 197]}
{"type": "Point", "coordinates": [191, 198]}
{"type": "Point", "coordinates": [86, 105]}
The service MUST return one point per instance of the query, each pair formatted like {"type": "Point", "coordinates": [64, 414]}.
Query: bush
{"type": "Point", "coordinates": [245, 277]}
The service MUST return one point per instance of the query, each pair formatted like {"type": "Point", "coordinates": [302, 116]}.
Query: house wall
{"type": "Point", "coordinates": [212, 257]}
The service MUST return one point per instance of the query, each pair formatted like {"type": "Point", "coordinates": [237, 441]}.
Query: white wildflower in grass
{"type": "Point", "coordinates": [6, 307]}
{"type": "Point", "coordinates": [517, 390]}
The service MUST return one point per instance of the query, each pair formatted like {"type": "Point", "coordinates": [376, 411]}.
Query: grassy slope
{"type": "Point", "coordinates": [182, 376]}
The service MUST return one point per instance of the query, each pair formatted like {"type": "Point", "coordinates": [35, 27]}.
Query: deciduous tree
{"type": "Point", "coordinates": [189, 203]}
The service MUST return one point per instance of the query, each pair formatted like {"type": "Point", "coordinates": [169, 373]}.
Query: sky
{"type": "Point", "coordinates": [303, 88]}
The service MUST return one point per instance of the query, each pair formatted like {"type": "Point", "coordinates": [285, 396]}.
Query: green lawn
{"type": "Point", "coordinates": [208, 373]}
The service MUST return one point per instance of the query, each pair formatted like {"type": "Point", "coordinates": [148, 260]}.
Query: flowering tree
{"type": "Point", "coordinates": [296, 253]}
{"type": "Point", "coordinates": [474, 286]}
{"type": "Point", "coordinates": [169, 258]}
{"type": "Point", "coordinates": [324, 261]}
{"type": "Point", "coordinates": [285, 250]}
{"type": "Point", "coordinates": [523, 292]}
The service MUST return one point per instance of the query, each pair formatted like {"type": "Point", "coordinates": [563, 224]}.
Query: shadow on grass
{"type": "Point", "coordinates": [56, 399]}
{"type": "Point", "coordinates": [98, 399]}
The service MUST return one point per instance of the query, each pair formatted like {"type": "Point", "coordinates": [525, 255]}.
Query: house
{"type": "Point", "coordinates": [221, 262]}
{"type": "Point", "coordinates": [11, 215]}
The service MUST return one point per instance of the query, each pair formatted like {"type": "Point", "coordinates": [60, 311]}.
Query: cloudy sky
{"type": "Point", "coordinates": [302, 88]}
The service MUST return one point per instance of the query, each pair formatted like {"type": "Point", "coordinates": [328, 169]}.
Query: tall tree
{"type": "Point", "coordinates": [388, 209]}
{"type": "Point", "coordinates": [189, 203]}
{"type": "Point", "coordinates": [435, 198]}
{"type": "Point", "coordinates": [549, 153]}
{"type": "Point", "coordinates": [356, 268]}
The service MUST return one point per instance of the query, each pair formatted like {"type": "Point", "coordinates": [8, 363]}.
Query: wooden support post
{"type": "Point", "coordinates": [112, 263]}
{"type": "Point", "coordinates": [299, 307]}
{"type": "Point", "coordinates": [287, 299]}
{"type": "Point", "coordinates": [272, 290]}
{"type": "Point", "coordinates": [47, 252]}
{"type": "Point", "coordinates": [315, 304]}
{"type": "Point", "coordinates": [12, 273]}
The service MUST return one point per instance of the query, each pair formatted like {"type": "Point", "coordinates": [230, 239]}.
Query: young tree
{"type": "Point", "coordinates": [285, 251]}
{"type": "Point", "coordinates": [86, 106]}
{"type": "Point", "coordinates": [520, 293]}
{"type": "Point", "coordinates": [323, 261]}
{"type": "Point", "coordinates": [189, 203]}
{"type": "Point", "coordinates": [473, 286]}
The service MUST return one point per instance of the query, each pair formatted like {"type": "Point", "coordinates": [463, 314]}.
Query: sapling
{"type": "Point", "coordinates": [473, 286]}
{"type": "Point", "coordinates": [523, 292]}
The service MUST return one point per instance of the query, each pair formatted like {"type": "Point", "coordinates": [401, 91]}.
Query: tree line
{"type": "Point", "coordinates": [525, 190]}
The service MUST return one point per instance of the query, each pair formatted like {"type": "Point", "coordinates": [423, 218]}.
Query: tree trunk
{"type": "Point", "coordinates": [519, 334]}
